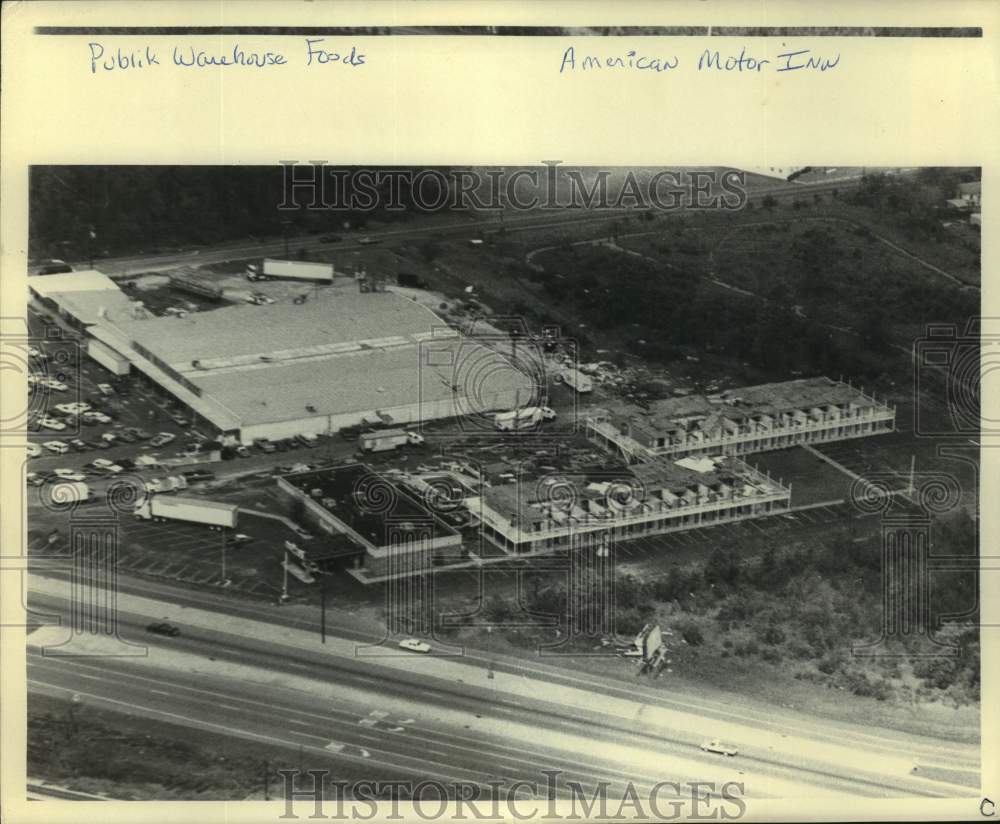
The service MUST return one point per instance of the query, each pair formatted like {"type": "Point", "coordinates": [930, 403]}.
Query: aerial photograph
{"type": "Point", "coordinates": [626, 489]}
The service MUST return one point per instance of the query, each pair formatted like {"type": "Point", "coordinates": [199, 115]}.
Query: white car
{"type": "Point", "coordinates": [52, 423]}
{"type": "Point", "coordinates": [58, 447]}
{"type": "Point", "coordinates": [106, 465]}
{"type": "Point", "coordinates": [72, 408]}
{"type": "Point", "coordinates": [70, 475]}
{"type": "Point", "coordinates": [414, 645]}
{"type": "Point", "coordinates": [719, 748]}
{"type": "Point", "coordinates": [154, 485]}
{"type": "Point", "coordinates": [548, 414]}
{"type": "Point", "coordinates": [100, 417]}
{"type": "Point", "coordinates": [105, 389]}
{"type": "Point", "coordinates": [52, 383]}
{"type": "Point", "coordinates": [34, 352]}
{"type": "Point", "coordinates": [34, 450]}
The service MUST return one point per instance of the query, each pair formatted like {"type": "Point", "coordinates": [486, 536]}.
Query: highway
{"type": "Point", "coordinates": [537, 220]}
{"type": "Point", "coordinates": [412, 715]}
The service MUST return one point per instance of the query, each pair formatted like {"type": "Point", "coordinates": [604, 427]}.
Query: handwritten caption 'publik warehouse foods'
{"type": "Point", "coordinates": [312, 52]}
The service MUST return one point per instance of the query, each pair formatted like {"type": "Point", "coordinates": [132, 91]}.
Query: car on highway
{"type": "Point", "coordinates": [69, 474]}
{"type": "Point", "coordinates": [163, 628]}
{"type": "Point", "coordinates": [414, 645]}
{"type": "Point", "coordinates": [367, 240]}
{"type": "Point", "coordinates": [34, 450]}
{"type": "Point", "coordinates": [56, 446]}
{"type": "Point", "coordinates": [51, 423]}
{"type": "Point", "coordinates": [719, 748]}
{"type": "Point", "coordinates": [162, 439]}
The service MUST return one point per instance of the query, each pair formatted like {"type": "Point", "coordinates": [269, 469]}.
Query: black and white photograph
{"type": "Point", "coordinates": [627, 488]}
{"type": "Point", "coordinates": [424, 410]}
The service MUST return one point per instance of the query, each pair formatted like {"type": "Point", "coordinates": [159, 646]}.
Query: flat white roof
{"type": "Point", "coordinates": [88, 280]}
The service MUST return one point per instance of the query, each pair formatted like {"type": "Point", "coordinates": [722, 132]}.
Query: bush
{"type": "Point", "coordinates": [692, 634]}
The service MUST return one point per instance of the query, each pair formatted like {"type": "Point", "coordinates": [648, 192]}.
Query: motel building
{"type": "Point", "coordinates": [741, 421]}
{"type": "Point", "coordinates": [533, 517]}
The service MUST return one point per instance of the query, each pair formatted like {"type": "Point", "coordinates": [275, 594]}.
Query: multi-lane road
{"type": "Point", "coordinates": [462, 718]}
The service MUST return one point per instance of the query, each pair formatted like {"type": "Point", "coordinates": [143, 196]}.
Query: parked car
{"type": "Point", "coordinates": [94, 415]}
{"type": "Point", "coordinates": [141, 434]}
{"type": "Point", "coordinates": [72, 408]}
{"type": "Point", "coordinates": [78, 445]}
{"type": "Point", "coordinates": [414, 645]}
{"type": "Point", "coordinates": [34, 479]}
{"type": "Point", "coordinates": [162, 439]}
{"type": "Point", "coordinates": [69, 474]}
{"type": "Point", "coordinates": [105, 465]}
{"type": "Point", "coordinates": [307, 440]}
{"type": "Point", "coordinates": [51, 423]}
{"type": "Point", "coordinates": [196, 475]}
{"type": "Point", "coordinates": [264, 445]}
{"type": "Point", "coordinates": [719, 748]}
{"type": "Point", "coordinates": [109, 437]}
{"type": "Point", "coordinates": [239, 539]}
{"type": "Point", "coordinates": [58, 447]}
{"type": "Point", "coordinates": [179, 419]}
{"type": "Point", "coordinates": [163, 628]}
{"type": "Point", "coordinates": [34, 450]}
{"type": "Point", "coordinates": [127, 436]}
{"type": "Point", "coordinates": [105, 389]}
{"type": "Point", "coordinates": [53, 384]}
{"type": "Point", "coordinates": [243, 452]}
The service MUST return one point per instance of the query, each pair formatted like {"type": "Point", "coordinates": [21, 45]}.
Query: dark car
{"type": "Point", "coordinates": [128, 437]}
{"type": "Point", "coordinates": [163, 628]}
{"type": "Point", "coordinates": [350, 433]}
{"type": "Point", "coordinates": [280, 445]}
{"type": "Point", "coordinates": [199, 475]}
{"type": "Point", "coordinates": [330, 239]}
{"type": "Point", "coordinates": [292, 443]}
{"type": "Point", "coordinates": [78, 445]}
{"type": "Point", "coordinates": [264, 445]}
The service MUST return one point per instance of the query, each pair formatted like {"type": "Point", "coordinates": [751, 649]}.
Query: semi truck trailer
{"type": "Point", "coordinates": [270, 269]}
{"type": "Point", "coordinates": [526, 418]}
{"type": "Point", "coordinates": [385, 440]}
{"type": "Point", "coordinates": [193, 510]}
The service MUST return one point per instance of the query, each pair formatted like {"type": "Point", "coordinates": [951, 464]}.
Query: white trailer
{"type": "Point", "coordinates": [192, 510]}
{"type": "Point", "coordinates": [575, 379]}
{"type": "Point", "coordinates": [69, 492]}
{"type": "Point", "coordinates": [384, 440]}
{"type": "Point", "coordinates": [526, 418]}
{"type": "Point", "coordinates": [271, 269]}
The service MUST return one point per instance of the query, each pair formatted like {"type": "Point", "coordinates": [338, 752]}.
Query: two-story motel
{"type": "Point", "coordinates": [535, 516]}
{"type": "Point", "coordinates": [749, 419]}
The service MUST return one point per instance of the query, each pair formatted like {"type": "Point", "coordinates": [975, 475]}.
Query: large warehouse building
{"type": "Point", "coordinates": [342, 358]}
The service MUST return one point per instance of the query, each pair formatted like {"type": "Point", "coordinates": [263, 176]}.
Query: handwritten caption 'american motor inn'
{"type": "Point", "coordinates": [317, 51]}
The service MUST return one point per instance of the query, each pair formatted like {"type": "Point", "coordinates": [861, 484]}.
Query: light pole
{"type": "Point", "coordinates": [222, 551]}
{"type": "Point", "coordinates": [284, 577]}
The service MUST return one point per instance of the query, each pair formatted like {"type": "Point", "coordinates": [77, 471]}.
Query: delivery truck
{"type": "Point", "coordinates": [384, 440]}
{"type": "Point", "coordinates": [270, 269]}
{"type": "Point", "coordinates": [575, 379]}
{"type": "Point", "coordinates": [66, 492]}
{"type": "Point", "coordinates": [526, 418]}
{"type": "Point", "coordinates": [193, 510]}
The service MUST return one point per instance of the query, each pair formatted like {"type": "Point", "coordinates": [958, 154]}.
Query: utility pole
{"type": "Point", "coordinates": [267, 781]}
{"type": "Point", "coordinates": [284, 578]}
{"type": "Point", "coordinates": [322, 610]}
{"type": "Point", "coordinates": [225, 580]}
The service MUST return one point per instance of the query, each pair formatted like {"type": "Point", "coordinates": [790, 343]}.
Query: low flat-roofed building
{"type": "Point", "coordinates": [399, 534]}
{"type": "Point", "coordinates": [81, 298]}
{"type": "Point", "coordinates": [745, 420]}
{"type": "Point", "coordinates": [539, 515]}
{"type": "Point", "coordinates": [341, 359]}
